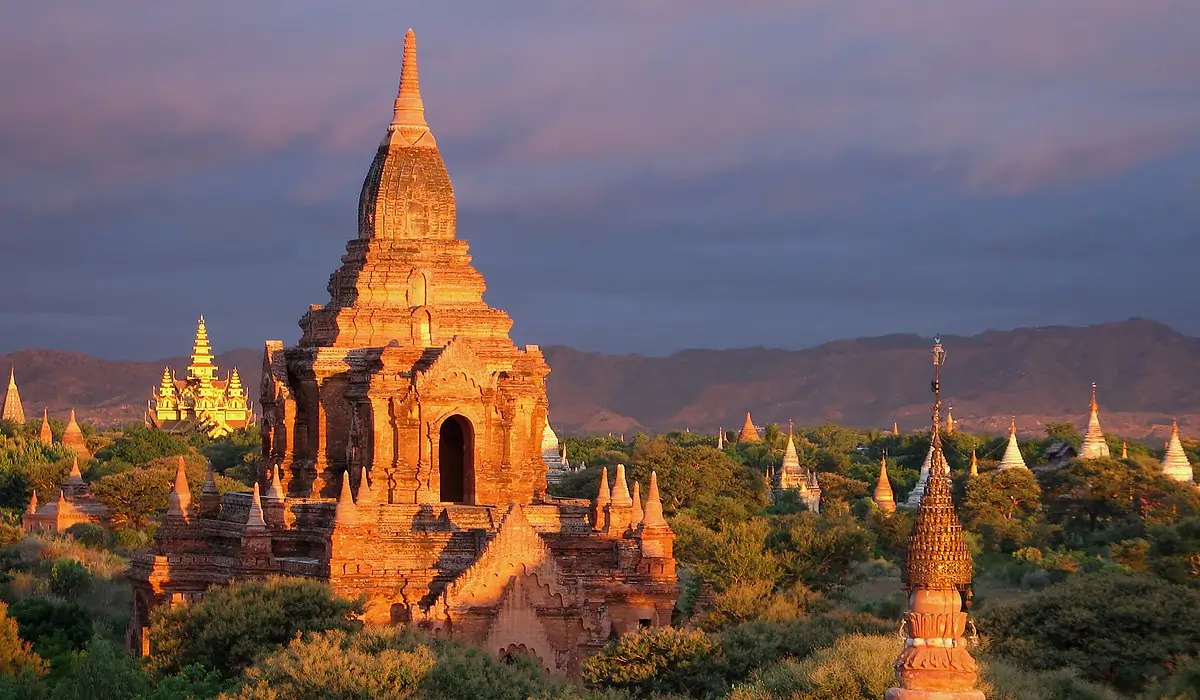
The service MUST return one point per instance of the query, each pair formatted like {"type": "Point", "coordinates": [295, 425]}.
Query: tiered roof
{"type": "Point", "coordinates": [12, 410]}
{"type": "Point", "coordinates": [1094, 444]}
{"type": "Point", "coordinates": [1012, 453]}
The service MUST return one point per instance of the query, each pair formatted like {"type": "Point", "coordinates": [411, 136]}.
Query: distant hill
{"type": "Point", "coordinates": [1147, 373]}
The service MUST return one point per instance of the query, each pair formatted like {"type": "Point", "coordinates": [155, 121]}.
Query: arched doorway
{"type": "Point", "coordinates": [456, 468]}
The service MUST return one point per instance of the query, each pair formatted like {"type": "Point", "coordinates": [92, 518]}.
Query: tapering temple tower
{"type": "Point", "coordinates": [1094, 446]}
{"type": "Point", "coordinates": [974, 471]}
{"type": "Point", "coordinates": [1012, 458]}
{"type": "Point", "coordinates": [883, 496]}
{"type": "Point", "coordinates": [950, 424]}
{"type": "Point", "coordinates": [748, 434]}
{"type": "Point", "coordinates": [406, 389]}
{"type": "Point", "coordinates": [13, 410]}
{"type": "Point", "coordinates": [73, 439]}
{"type": "Point", "coordinates": [1175, 463]}
{"type": "Point", "coordinates": [895, 429]}
{"type": "Point", "coordinates": [935, 663]}
{"type": "Point", "coordinates": [45, 434]}
{"type": "Point", "coordinates": [793, 477]}
{"type": "Point", "coordinates": [721, 439]}
{"type": "Point", "coordinates": [200, 402]}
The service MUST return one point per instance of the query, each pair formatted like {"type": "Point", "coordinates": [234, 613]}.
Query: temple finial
{"type": "Point", "coordinates": [883, 496]}
{"type": "Point", "coordinates": [180, 498]}
{"type": "Point", "coordinates": [1175, 463]}
{"type": "Point", "coordinates": [254, 519]}
{"type": "Point", "coordinates": [638, 512]}
{"type": "Point", "coordinates": [974, 463]}
{"type": "Point", "coordinates": [653, 515]}
{"type": "Point", "coordinates": [620, 489]}
{"type": "Point", "coordinates": [604, 496]}
{"type": "Point", "coordinates": [347, 512]}
{"type": "Point", "coordinates": [749, 434]}
{"type": "Point", "coordinates": [409, 109]}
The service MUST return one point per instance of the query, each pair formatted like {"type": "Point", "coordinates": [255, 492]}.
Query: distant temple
{"type": "Point", "coordinates": [74, 505]}
{"type": "Point", "coordinates": [402, 454]}
{"type": "Point", "coordinates": [1175, 463]}
{"type": "Point", "coordinates": [200, 402]}
{"type": "Point", "coordinates": [73, 439]}
{"type": "Point", "coordinates": [748, 434]}
{"type": "Point", "coordinates": [918, 492]}
{"type": "Point", "coordinates": [1094, 445]}
{"type": "Point", "coordinates": [883, 495]}
{"type": "Point", "coordinates": [13, 410]}
{"type": "Point", "coordinates": [793, 477]}
{"type": "Point", "coordinates": [1012, 458]}
{"type": "Point", "coordinates": [554, 455]}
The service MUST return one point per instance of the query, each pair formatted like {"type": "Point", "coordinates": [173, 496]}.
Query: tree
{"type": "Point", "coordinates": [1114, 627]}
{"type": "Point", "coordinates": [687, 475]}
{"type": "Point", "coordinates": [54, 627]}
{"type": "Point", "coordinates": [856, 667]}
{"type": "Point", "coordinates": [17, 655]}
{"type": "Point", "coordinates": [101, 672]}
{"type": "Point", "coordinates": [658, 661]}
{"type": "Point", "coordinates": [133, 497]}
{"type": "Point", "coordinates": [335, 665]}
{"type": "Point", "coordinates": [138, 445]}
{"type": "Point", "coordinates": [235, 625]}
{"type": "Point", "coordinates": [1063, 431]}
{"type": "Point", "coordinates": [819, 550]}
{"type": "Point", "coordinates": [1002, 506]}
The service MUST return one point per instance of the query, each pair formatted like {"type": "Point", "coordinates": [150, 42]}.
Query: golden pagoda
{"type": "Point", "coordinates": [200, 402]}
{"type": "Point", "coordinates": [749, 434]}
{"type": "Point", "coordinates": [13, 410]}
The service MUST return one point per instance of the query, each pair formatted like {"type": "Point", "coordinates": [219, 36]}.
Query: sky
{"type": "Point", "coordinates": [632, 175]}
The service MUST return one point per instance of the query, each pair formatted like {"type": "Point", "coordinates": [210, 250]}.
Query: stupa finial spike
{"type": "Point", "coordinates": [409, 109]}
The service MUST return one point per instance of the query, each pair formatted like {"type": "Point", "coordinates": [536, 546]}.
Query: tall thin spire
{"type": "Point", "coordinates": [1012, 453]}
{"type": "Point", "coordinates": [937, 565]}
{"type": "Point", "coordinates": [1094, 445]}
{"type": "Point", "coordinates": [1175, 463]}
{"type": "Point", "coordinates": [13, 410]}
{"type": "Point", "coordinates": [974, 463]}
{"type": "Point", "coordinates": [408, 112]}
{"type": "Point", "coordinates": [638, 511]}
{"type": "Point", "coordinates": [721, 438]}
{"type": "Point", "coordinates": [73, 437]}
{"type": "Point", "coordinates": [45, 435]}
{"type": "Point", "coordinates": [895, 429]}
{"type": "Point", "coordinates": [180, 498]}
{"type": "Point", "coordinates": [652, 517]}
{"type": "Point", "coordinates": [883, 496]}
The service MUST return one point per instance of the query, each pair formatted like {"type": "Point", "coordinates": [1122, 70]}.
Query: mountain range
{"type": "Point", "coordinates": [1146, 372]}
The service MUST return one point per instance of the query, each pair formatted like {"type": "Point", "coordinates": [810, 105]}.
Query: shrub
{"type": "Point", "coordinates": [88, 535]}
{"type": "Point", "coordinates": [16, 654]}
{"type": "Point", "coordinates": [663, 660]}
{"type": "Point", "coordinates": [855, 667]}
{"type": "Point", "coordinates": [54, 627]}
{"type": "Point", "coordinates": [757, 644]}
{"type": "Point", "coordinates": [235, 625]}
{"type": "Point", "coordinates": [1088, 621]}
{"type": "Point", "coordinates": [69, 578]}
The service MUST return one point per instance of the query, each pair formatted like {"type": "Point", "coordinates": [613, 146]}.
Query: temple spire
{"type": "Point", "coordinates": [33, 503]}
{"type": "Point", "coordinates": [180, 498]}
{"type": "Point", "coordinates": [1012, 453]}
{"type": "Point", "coordinates": [638, 511]}
{"type": "Point", "coordinates": [45, 435]}
{"type": "Point", "coordinates": [1124, 450]}
{"type": "Point", "coordinates": [883, 496]}
{"type": "Point", "coordinates": [895, 429]}
{"type": "Point", "coordinates": [408, 112]}
{"type": "Point", "coordinates": [749, 434]}
{"type": "Point", "coordinates": [254, 520]}
{"type": "Point", "coordinates": [652, 517]}
{"type": "Point", "coordinates": [13, 410]}
{"type": "Point", "coordinates": [620, 489]}
{"type": "Point", "coordinates": [721, 439]}
{"type": "Point", "coordinates": [275, 490]}
{"type": "Point", "coordinates": [950, 424]}
{"type": "Point", "coordinates": [347, 512]}
{"type": "Point", "coordinates": [1094, 445]}
{"type": "Point", "coordinates": [73, 438]}
{"type": "Point", "coordinates": [75, 477]}
{"type": "Point", "coordinates": [1175, 463]}
{"type": "Point", "coordinates": [935, 660]}
{"type": "Point", "coordinates": [974, 463]}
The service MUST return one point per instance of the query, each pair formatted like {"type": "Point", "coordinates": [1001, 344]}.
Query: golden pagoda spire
{"type": "Point", "coordinates": [202, 368]}
{"type": "Point", "coordinates": [883, 496]}
{"type": "Point", "coordinates": [935, 660]}
{"type": "Point", "coordinates": [895, 429]}
{"type": "Point", "coordinates": [974, 463]}
{"type": "Point", "coordinates": [73, 438]}
{"type": "Point", "coordinates": [950, 424]}
{"type": "Point", "coordinates": [1094, 444]}
{"type": "Point", "coordinates": [721, 438]}
{"type": "Point", "coordinates": [234, 388]}
{"type": "Point", "coordinates": [13, 410]}
{"type": "Point", "coordinates": [45, 435]}
{"type": "Point", "coordinates": [1124, 450]}
{"type": "Point", "coordinates": [749, 434]}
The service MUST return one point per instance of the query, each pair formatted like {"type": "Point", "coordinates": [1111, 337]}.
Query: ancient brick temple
{"type": "Point", "coordinates": [402, 443]}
